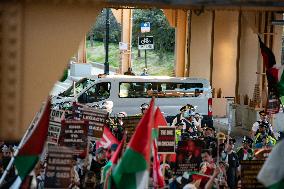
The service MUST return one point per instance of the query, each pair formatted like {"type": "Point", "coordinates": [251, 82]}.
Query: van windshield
{"type": "Point", "coordinates": [79, 86]}
{"type": "Point", "coordinates": [159, 90]}
{"type": "Point", "coordinates": [96, 93]}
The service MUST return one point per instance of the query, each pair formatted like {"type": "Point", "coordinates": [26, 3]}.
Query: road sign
{"type": "Point", "coordinates": [145, 27]}
{"type": "Point", "coordinates": [146, 42]}
{"type": "Point", "coordinates": [123, 46]}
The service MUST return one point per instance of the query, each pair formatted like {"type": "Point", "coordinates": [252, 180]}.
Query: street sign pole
{"type": "Point", "coordinates": [145, 56]}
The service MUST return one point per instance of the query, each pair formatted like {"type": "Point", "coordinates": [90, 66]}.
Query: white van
{"type": "Point", "coordinates": [128, 93]}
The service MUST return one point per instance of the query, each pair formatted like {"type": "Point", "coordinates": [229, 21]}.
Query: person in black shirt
{"type": "Point", "coordinates": [97, 163]}
{"type": "Point", "coordinates": [231, 158]}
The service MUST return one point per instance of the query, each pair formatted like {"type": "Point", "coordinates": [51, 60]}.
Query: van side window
{"type": "Point", "coordinates": [96, 93]}
{"type": "Point", "coordinates": [159, 90]}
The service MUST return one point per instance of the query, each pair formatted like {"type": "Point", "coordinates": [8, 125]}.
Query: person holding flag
{"type": "Point", "coordinates": [133, 169]}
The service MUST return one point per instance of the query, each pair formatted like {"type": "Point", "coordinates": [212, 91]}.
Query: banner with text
{"type": "Point", "coordinates": [129, 124]}
{"type": "Point", "coordinates": [166, 140]}
{"type": "Point", "coordinates": [54, 128]}
{"type": "Point", "coordinates": [96, 117]}
{"type": "Point", "coordinates": [74, 134]}
{"type": "Point", "coordinates": [59, 165]}
{"type": "Point", "coordinates": [249, 172]}
{"type": "Point", "coordinates": [188, 156]}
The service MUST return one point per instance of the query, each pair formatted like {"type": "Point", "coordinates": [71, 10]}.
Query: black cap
{"type": "Point", "coordinates": [144, 106]}
{"type": "Point", "coordinates": [113, 147]}
{"type": "Point", "coordinates": [184, 108]}
{"type": "Point", "coordinates": [208, 128]}
{"type": "Point", "coordinates": [247, 139]}
{"type": "Point", "coordinates": [100, 150]}
{"type": "Point", "coordinates": [262, 113]}
{"type": "Point", "coordinates": [231, 140]}
{"type": "Point", "coordinates": [265, 125]}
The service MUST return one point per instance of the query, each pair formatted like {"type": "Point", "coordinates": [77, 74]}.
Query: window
{"type": "Point", "coordinates": [96, 93]}
{"type": "Point", "coordinates": [79, 86]}
{"type": "Point", "coordinates": [159, 89]}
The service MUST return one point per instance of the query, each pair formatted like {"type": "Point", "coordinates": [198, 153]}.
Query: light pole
{"type": "Point", "coordinates": [106, 70]}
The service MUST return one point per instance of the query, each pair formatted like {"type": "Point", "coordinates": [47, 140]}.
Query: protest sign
{"type": "Point", "coordinates": [59, 165]}
{"type": "Point", "coordinates": [166, 140]}
{"type": "Point", "coordinates": [188, 156]}
{"type": "Point", "coordinates": [54, 128]}
{"type": "Point", "coordinates": [96, 117]}
{"type": "Point", "coordinates": [249, 172]}
{"type": "Point", "coordinates": [74, 134]}
{"type": "Point", "coordinates": [129, 124]}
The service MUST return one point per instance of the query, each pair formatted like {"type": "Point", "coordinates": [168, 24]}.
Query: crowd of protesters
{"type": "Point", "coordinates": [218, 164]}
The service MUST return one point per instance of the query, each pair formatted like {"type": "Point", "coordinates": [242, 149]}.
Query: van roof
{"type": "Point", "coordinates": [154, 77]}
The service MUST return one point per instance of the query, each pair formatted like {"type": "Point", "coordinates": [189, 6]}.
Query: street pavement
{"type": "Point", "coordinates": [237, 132]}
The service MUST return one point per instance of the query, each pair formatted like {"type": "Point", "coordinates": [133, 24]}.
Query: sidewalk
{"type": "Point", "coordinates": [237, 132]}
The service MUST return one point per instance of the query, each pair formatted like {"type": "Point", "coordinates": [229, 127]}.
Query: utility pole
{"type": "Point", "coordinates": [106, 71]}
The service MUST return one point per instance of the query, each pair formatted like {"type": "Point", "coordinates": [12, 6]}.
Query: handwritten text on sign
{"type": "Point", "coordinates": [166, 140]}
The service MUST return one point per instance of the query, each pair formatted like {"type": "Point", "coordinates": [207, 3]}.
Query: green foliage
{"type": "Point", "coordinates": [99, 28]}
{"type": "Point", "coordinates": [164, 35]}
{"type": "Point", "coordinates": [160, 60]}
{"type": "Point", "coordinates": [155, 65]}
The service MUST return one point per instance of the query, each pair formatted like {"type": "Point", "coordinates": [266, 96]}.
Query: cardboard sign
{"type": "Point", "coordinates": [57, 115]}
{"type": "Point", "coordinates": [188, 156]}
{"type": "Point", "coordinates": [96, 117]}
{"type": "Point", "coordinates": [54, 128]}
{"type": "Point", "coordinates": [129, 124]}
{"type": "Point", "coordinates": [249, 172]}
{"type": "Point", "coordinates": [74, 135]}
{"type": "Point", "coordinates": [166, 140]}
{"type": "Point", "coordinates": [59, 165]}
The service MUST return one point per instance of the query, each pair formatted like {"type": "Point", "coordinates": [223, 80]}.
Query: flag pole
{"type": "Point", "coordinates": [32, 124]}
{"type": "Point", "coordinates": [164, 162]}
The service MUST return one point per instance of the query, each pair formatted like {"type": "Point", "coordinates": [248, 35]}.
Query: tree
{"type": "Point", "coordinates": [164, 35]}
{"type": "Point", "coordinates": [97, 32]}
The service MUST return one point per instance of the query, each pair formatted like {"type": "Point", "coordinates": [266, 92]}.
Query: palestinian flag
{"type": "Point", "coordinates": [132, 172]}
{"type": "Point", "coordinates": [29, 153]}
{"type": "Point", "coordinates": [158, 178]}
{"type": "Point", "coordinates": [274, 78]}
{"type": "Point", "coordinates": [107, 140]}
{"type": "Point", "coordinates": [271, 174]}
{"type": "Point", "coordinates": [111, 164]}
{"type": "Point", "coordinates": [159, 120]}
{"type": "Point", "coordinates": [277, 73]}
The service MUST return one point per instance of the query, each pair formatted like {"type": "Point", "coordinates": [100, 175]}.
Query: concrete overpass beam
{"type": "Point", "coordinates": [39, 40]}
{"type": "Point", "coordinates": [225, 52]}
{"type": "Point", "coordinates": [201, 41]}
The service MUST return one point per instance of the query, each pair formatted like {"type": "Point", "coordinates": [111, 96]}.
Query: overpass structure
{"type": "Point", "coordinates": [216, 40]}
